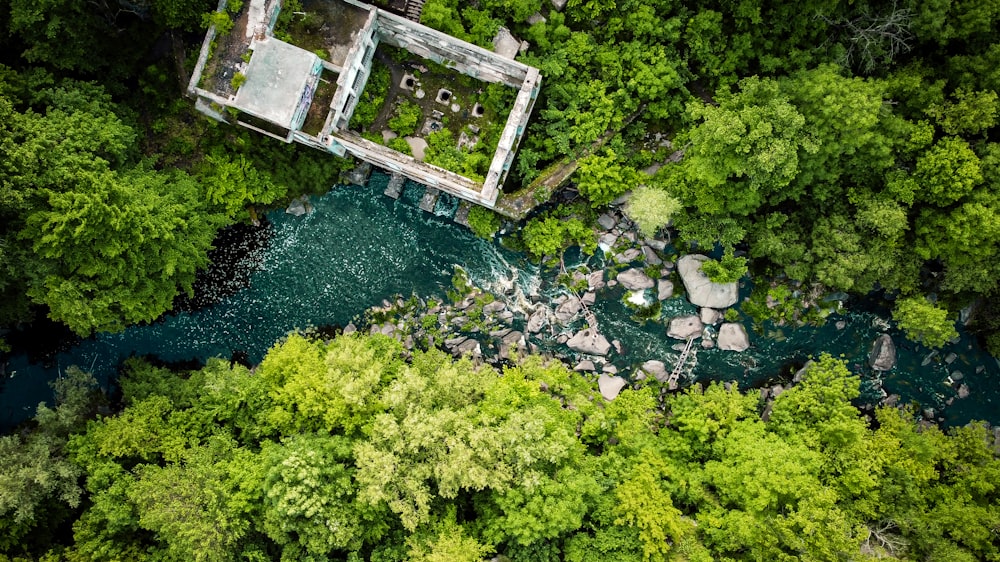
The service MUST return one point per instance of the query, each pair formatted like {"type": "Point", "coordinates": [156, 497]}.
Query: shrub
{"type": "Point", "coordinates": [483, 222]}
{"type": "Point", "coordinates": [727, 270]}
{"type": "Point", "coordinates": [407, 118]}
{"type": "Point", "coordinates": [238, 80]}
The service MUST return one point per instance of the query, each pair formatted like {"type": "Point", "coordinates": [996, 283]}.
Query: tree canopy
{"type": "Point", "coordinates": [346, 449]}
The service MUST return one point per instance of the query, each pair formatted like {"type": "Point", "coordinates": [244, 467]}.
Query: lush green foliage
{"type": "Point", "coordinates": [729, 269]}
{"type": "Point", "coordinates": [651, 209]}
{"type": "Point", "coordinates": [344, 450]}
{"type": "Point", "coordinates": [924, 322]}
{"type": "Point", "coordinates": [407, 119]}
{"type": "Point", "coordinates": [483, 222]}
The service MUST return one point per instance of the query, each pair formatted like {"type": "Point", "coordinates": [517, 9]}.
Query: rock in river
{"type": "Point", "coordinates": [685, 327]}
{"type": "Point", "coordinates": [635, 280]}
{"type": "Point", "coordinates": [589, 341]}
{"type": "Point", "coordinates": [664, 289]}
{"type": "Point", "coordinates": [883, 355]}
{"type": "Point", "coordinates": [655, 369]}
{"type": "Point", "coordinates": [733, 337]}
{"type": "Point", "coordinates": [701, 290]}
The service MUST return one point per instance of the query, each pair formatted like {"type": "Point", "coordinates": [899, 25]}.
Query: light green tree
{"type": "Point", "coordinates": [924, 322]}
{"type": "Point", "coordinates": [651, 208]}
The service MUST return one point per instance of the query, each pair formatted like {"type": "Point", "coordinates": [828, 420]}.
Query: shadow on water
{"type": "Point", "coordinates": [358, 247]}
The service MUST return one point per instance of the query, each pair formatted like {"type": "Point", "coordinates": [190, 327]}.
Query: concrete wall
{"type": "Point", "coordinates": [512, 134]}
{"type": "Point", "coordinates": [449, 51]}
{"type": "Point", "coordinates": [352, 79]}
{"type": "Point", "coordinates": [420, 172]}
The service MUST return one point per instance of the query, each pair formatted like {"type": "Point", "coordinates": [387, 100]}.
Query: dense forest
{"type": "Point", "coordinates": [850, 146]}
{"type": "Point", "coordinates": [350, 450]}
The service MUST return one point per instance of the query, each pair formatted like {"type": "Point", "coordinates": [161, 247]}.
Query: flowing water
{"type": "Point", "coordinates": [358, 247]}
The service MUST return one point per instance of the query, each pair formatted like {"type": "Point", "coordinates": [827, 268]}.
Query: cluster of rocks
{"type": "Point", "coordinates": [503, 326]}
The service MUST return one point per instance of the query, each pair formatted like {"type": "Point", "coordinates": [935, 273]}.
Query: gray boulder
{"type": "Point", "coordinates": [585, 366]}
{"type": "Point", "coordinates": [635, 280]}
{"type": "Point", "coordinates": [733, 337]}
{"type": "Point", "coordinates": [595, 281]}
{"type": "Point", "coordinates": [589, 341]}
{"type": "Point", "coordinates": [655, 369]}
{"type": "Point", "coordinates": [606, 221]}
{"type": "Point", "coordinates": [710, 316]}
{"type": "Point", "coordinates": [664, 289]}
{"type": "Point", "coordinates": [883, 354]}
{"type": "Point", "coordinates": [628, 256]}
{"type": "Point", "coordinates": [701, 290]}
{"type": "Point", "coordinates": [566, 311]}
{"type": "Point", "coordinates": [536, 321]}
{"type": "Point", "coordinates": [610, 386]}
{"type": "Point", "coordinates": [685, 327]}
{"type": "Point", "coordinates": [298, 206]}
{"type": "Point", "coordinates": [650, 256]}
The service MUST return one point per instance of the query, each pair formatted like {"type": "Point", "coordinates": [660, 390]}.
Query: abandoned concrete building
{"type": "Point", "coordinates": [248, 76]}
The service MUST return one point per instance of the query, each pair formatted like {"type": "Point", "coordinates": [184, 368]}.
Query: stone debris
{"type": "Point", "coordinates": [664, 289]}
{"type": "Point", "coordinates": [299, 206]}
{"type": "Point", "coordinates": [710, 316]}
{"type": "Point", "coordinates": [650, 255]}
{"type": "Point", "coordinates": [585, 366]}
{"type": "Point", "coordinates": [628, 256]}
{"type": "Point", "coordinates": [595, 281]}
{"type": "Point", "coordinates": [656, 369]}
{"type": "Point", "coordinates": [606, 241]}
{"type": "Point", "coordinates": [536, 321]}
{"type": "Point", "coordinates": [567, 311]}
{"type": "Point", "coordinates": [505, 44]}
{"type": "Point", "coordinates": [606, 221]}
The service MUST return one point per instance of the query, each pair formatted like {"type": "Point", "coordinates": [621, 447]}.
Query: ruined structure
{"type": "Point", "coordinates": [271, 86]}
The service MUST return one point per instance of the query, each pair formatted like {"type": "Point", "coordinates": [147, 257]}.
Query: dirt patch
{"type": "Point", "coordinates": [226, 57]}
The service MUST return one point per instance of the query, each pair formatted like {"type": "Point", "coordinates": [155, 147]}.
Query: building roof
{"type": "Point", "coordinates": [277, 76]}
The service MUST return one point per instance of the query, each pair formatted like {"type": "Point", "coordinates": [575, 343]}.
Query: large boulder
{"type": "Point", "coordinates": [883, 354]}
{"type": "Point", "coordinates": [685, 327]}
{"type": "Point", "coordinates": [536, 321]}
{"type": "Point", "coordinates": [610, 386]}
{"type": "Point", "coordinates": [733, 337]}
{"type": "Point", "coordinates": [635, 280]}
{"type": "Point", "coordinates": [568, 310]}
{"type": "Point", "coordinates": [701, 290]}
{"type": "Point", "coordinates": [589, 341]}
{"type": "Point", "coordinates": [655, 369]}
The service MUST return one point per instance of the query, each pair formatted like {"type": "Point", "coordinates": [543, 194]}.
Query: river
{"type": "Point", "coordinates": [358, 247]}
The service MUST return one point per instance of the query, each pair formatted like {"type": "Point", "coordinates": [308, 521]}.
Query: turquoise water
{"type": "Point", "coordinates": [359, 247]}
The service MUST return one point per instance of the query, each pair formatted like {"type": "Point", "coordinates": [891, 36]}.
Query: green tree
{"type": "Point", "coordinates": [752, 139]}
{"type": "Point", "coordinates": [233, 182]}
{"type": "Point", "coordinates": [483, 222]}
{"type": "Point", "coordinates": [309, 498]}
{"type": "Point", "coordinates": [39, 484]}
{"type": "Point", "coordinates": [118, 248]}
{"type": "Point", "coordinates": [947, 172]}
{"type": "Point", "coordinates": [601, 178]}
{"type": "Point", "coordinates": [729, 269]}
{"type": "Point", "coordinates": [406, 119]}
{"type": "Point", "coordinates": [924, 322]}
{"type": "Point", "coordinates": [651, 208]}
